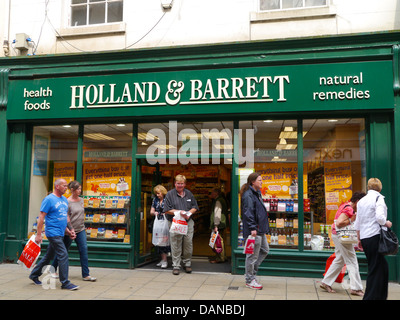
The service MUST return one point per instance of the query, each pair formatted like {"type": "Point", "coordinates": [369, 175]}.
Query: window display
{"type": "Point", "coordinates": [106, 181]}
{"type": "Point", "coordinates": [54, 154]}
{"type": "Point", "coordinates": [333, 168]}
{"type": "Point", "coordinates": [334, 157]}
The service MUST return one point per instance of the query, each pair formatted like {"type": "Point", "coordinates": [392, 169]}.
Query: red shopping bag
{"type": "Point", "coordinates": [249, 245]}
{"type": "Point", "coordinates": [340, 277]}
{"type": "Point", "coordinates": [30, 253]}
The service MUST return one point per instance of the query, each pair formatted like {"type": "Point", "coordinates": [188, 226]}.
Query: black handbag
{"type": "Point", "coordinates": [388, 242]}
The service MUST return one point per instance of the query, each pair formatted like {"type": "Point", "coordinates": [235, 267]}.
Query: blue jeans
{"type": "Point", "coordinates": [56, 248]}
{"type": "Point", "coordinates": [81, 243]}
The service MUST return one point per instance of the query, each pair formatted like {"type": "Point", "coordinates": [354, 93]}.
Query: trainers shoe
{"type": "Point", "coordinates": [164, 264]}
{"type": "Point", "coordinates": [36, 281]}
{"type": "Point", "coordinates": [159, 264]}
{"type": "Point", "coordinates": [70, 286]}
{"type": "Point", "coordinates": [254, 285]}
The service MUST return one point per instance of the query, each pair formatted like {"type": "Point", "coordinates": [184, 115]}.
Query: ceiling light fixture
{"type": "Point", "coordinates": [97, 136]}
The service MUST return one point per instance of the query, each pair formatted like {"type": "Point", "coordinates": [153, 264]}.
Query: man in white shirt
{"type": "Point", "coordinates": [371, 216]}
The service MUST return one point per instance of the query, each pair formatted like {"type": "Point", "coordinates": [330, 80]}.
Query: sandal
{"type": "Point", "coordinates": [89, 278]}
{"type": "Point", "coordinates": [327, 288]}
{"type": "Point", "coordinates": [359, 293]}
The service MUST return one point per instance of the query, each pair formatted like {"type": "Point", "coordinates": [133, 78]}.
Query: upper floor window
{"type": "Point", "coordinates": [290, 4]}
{"type": "Point", "coordinates": [87, 12]}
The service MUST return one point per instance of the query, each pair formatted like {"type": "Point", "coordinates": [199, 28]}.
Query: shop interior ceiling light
{"type": "Point", "coordinates": [97, 136]}
{"type": "Point", "coordinates": [147, 136]}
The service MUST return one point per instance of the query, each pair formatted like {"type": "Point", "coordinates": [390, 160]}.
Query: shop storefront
{"type": "Point", "coordinates": [315, 117]}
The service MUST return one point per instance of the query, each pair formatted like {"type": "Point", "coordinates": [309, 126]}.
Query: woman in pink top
{"type": "Point", "coordinates": [345, 253]}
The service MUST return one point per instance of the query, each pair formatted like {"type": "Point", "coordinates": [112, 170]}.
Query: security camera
{"type": "Point", "coordinates": [166, 4]}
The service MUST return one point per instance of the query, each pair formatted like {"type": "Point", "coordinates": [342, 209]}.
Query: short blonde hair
{"type": "Point", "coordinates": [374, 184]}
{"type": "Point", "coordinates": [180, 177]}
{"type": "Point", "coordinates": [160, 188]}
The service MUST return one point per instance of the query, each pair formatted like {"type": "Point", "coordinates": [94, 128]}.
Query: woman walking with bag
{"type": "Point", "coordinates": [371, 216]}
{"type": "Point", "coordinates": [255, 223]}
{"type": "Point", "coordinates": [157, 210]}
{"type": "Point", "coordinates": [345, 253]}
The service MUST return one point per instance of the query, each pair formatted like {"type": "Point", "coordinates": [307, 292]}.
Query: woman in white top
{"type": "Point", "coordinates": [371, 216]}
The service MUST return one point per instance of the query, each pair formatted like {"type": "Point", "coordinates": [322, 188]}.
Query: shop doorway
{"type": "Point", "coordinates": [202, 179]}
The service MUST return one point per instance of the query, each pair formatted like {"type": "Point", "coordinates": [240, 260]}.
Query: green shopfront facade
{"type": "Point", "coordinates": [298, 84]}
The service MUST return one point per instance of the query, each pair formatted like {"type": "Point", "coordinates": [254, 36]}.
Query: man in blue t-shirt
{"type": "Point", "coordinates": [55, 209]}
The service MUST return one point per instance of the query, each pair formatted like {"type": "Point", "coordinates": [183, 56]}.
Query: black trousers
{"type": "Point", "coordinates": [378, 270]}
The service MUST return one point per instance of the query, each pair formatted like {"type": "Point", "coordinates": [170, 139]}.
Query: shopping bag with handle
{"type": "Point", "coordinates": [213, 238]}
{"type": "Point", "coordinates": [249, 245]}
{"type": "Point", "coordinates": [179, 224]}
{"type": "Point", "coordinates": [342, 273]}
{"type": "Point", "coordinates": [30, 253]}
{"type": "Point", "coordinates": [160, 231]}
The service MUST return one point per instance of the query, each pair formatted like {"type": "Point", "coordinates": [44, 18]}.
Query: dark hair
{"type": "Point", "coordinates": [74, 185]}
{"type": "Point", "coordinates": [250, 179]}
{"type": "Point", "coordinates": [357, 196]}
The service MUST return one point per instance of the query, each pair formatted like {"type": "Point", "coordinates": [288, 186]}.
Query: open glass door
{"type": "Point", "coordinates": [148, 176]}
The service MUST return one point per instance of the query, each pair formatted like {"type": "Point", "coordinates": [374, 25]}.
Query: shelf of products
{"type": "Point", "coordinates": [107, 218]}
{"type": "Point", "coordinates": [283, 223]}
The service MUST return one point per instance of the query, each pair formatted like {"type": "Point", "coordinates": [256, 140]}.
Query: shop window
{"type": "Point", "coordinates": [334, 162]}
{"type": "Point", "coordinates": [88, 12]}
{"type": "Point", "coordinates": [54, 154]}
{"type": "Point", "coordinates": [106, 181]}
{"type": "Point", "coordinates": [266, 5]}
{"type": "Point", "coordinates": [274, 143]}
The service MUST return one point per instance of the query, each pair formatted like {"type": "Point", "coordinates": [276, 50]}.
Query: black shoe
{"type": "Point", "coordinates": [36, 281]}
{"type": "Point", "coordinates": [188, 269]}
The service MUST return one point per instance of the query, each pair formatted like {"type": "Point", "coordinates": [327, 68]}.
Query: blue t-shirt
{"type": "Point", "coordinates": [56, 210]}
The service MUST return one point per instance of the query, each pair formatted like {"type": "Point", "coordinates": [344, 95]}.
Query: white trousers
{"type": "Point", "coordinates": [345, 254]}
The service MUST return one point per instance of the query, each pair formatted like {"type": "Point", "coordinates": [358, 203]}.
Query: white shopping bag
{"type": "Point", "coordinates": [160, 231]}
{"type": "Point", "coordinates": [179, 224]}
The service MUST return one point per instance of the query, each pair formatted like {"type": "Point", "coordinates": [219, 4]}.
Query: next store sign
{"type": "Point", "coordinates": [316, 87]}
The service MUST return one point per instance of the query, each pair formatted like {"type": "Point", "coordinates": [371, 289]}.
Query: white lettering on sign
{"type": "Point", "coordinates": [348, 94]}
{"type": "Point", "coordinates": [221, 90]}
{"type": "Point", "coordinates": [30, 105]}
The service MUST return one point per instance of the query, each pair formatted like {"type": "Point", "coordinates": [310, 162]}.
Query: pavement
{"type": "Point", "coordinates": [147, 283]}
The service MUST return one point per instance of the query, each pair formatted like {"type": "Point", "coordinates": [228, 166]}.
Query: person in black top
{"type": "Point", "coordinates": [255, 223]}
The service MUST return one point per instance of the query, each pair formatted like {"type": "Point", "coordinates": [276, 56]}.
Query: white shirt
{"type": "Point", "coordinates": [371, 214]}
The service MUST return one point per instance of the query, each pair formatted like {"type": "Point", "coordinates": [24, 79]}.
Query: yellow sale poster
{"type": "Point", "coordinates": [338, 187]}
{"type": "Point", "coordinates": [280, 179]}
{"type": "Point", "coordinates": [107, 179]}
{"type": "Point", "coordinates": [64, 170]}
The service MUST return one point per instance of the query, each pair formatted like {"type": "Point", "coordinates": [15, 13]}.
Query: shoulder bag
{"type": "Point", "coordinates": [347, 234]}
{"type": "Point", "coordinates": [388, 241]}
